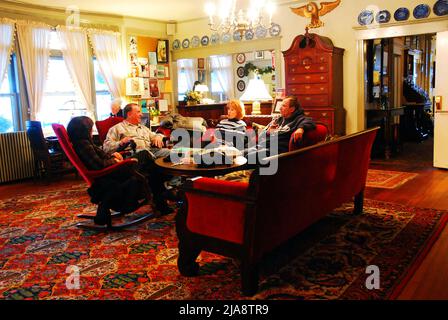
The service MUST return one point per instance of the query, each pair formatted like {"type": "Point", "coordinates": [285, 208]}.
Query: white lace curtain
{"type": "Point", "coordinates": [187, 66]}
{"type": "Point", "coordinates": [34, 42]}
{"type": "Point", "coordinates": [6, 41]}
{"type": "Point", "coordinates": [75, 49]}
{"type": "Point", "coordinates": [222, 67]}
{"type": "Point", "coordinates": [107, 49]}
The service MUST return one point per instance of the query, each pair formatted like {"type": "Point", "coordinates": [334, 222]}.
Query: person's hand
{"type": "Point", "coordinates": [125, 140]}
{"type": "Point", "coordinates": [157, 141]}
{"type": "Point", "coordinates": [117, 155]}
{"type": "Point", "coordinates": [298, 134]}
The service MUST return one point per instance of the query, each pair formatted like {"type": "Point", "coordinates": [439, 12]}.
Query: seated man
{"type": "Point", "coordinates": [148, 147]}
{"type": "Point", "coordinates": [292, 121]}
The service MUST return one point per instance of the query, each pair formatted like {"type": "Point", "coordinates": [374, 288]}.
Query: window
{"type": "Point", "coordinates": [217, 92]}
{"type": "Point", "coordinates": [221, 77]}
{"type": "Point", "coordinates": [9, 99]}
{"type": "Point", "coordinates": [185, 77]}
{"type": "Point", "coordinates": [103, 96]}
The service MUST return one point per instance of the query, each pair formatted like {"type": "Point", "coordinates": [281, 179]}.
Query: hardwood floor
{"type": "Point", "coordinates": [429, 190]}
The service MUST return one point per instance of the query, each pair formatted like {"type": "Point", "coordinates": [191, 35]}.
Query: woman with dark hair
{"type": "Point", "coordinates": [79, 131]}
{"type": "Point", "coordinates": [117, 190]}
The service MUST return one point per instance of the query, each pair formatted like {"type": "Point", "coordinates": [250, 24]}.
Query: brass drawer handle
{"type": "Point", "coordinates": [322, 78]}
{"type": "Point", "coordinates": [307, 113]}
{"type": "Point", "coordinates": [321, 68]}
{"type": "Point", "coordinates": [308, 98]}
{"type": "Point", "coordinates": [307, 67]}
{"type": "Point", "coordinates": [308, 77]}
{"type": "Point", "coordinates": [293, 89]}
{"type": "Point", "coordinates": [322, 88]}
{"type": "Point", "coordinates": [324, 114]}
{"type": "Point", "coordinates": [307, 87]}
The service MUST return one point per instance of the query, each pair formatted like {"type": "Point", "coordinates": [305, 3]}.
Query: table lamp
{"type": "Point", "coordinates": [255, 92]}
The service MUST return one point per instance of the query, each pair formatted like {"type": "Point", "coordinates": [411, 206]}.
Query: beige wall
{"type": "Point", "coordinates": [341, 26]}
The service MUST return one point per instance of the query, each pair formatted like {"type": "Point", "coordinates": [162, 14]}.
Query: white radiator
{"type": "Point", "coordinates": [16, 157]}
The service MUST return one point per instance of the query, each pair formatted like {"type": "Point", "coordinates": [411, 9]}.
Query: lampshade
{"type": "Point", "coordinates": [256, 91]}
{"type": "Point", "coordinates": [168, 86]}
{"type": "Point", "coordinates": [201, 88]}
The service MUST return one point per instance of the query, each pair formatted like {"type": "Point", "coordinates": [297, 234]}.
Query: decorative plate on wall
{"type": "Point", "coordinates": [383, 16]}
{"type": "Point", "coordinates": [421, 11]}
{"type": "Point", "coordinates": [226, 37]}
{"type": "Point", "coordinates": [240, 72]}
{"type": "Point", "coordinates": [365, 17]}
{"type": "Point", "coordinates": [185, 43]}
{"type": "Point", "coordinates": [261, 32]}
{"type": "Point", "coordinates": [204, 41]}
{"type": "Point", "coordinates": [236, 36]}
{"type": "Point", "coordinates": [195, 42]}
{"type": "Point", "coordinates": [401, 14]}
{"type": "Point", "coordinates": [214, 38]}
{"type": "Point", "coordinates": [240, 58]}
{"type": "Point", "coordinates": [176, 44]}
{"type": "Point", "coordinates": [275, 30]}
{"type": "Point", "coordinates": [241, 85]}
{"type": "Point", "coordinates": [249, 34]}
{"type": "Point", "coordinates": [441, 8]}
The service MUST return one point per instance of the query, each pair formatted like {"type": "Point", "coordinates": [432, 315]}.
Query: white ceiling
{"type": "Point", "coordinates": [162, 10]}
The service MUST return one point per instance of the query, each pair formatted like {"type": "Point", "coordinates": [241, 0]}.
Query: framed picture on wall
{"type": "Point", "coordinates": [259, 55]}
{"type": "Point", "coordinates": [162, 51]}
{"type": "Point", "coordinates": [201, 63]}
{"type": "Point", "coordinates": [277, 105]}
{"type": "Point", "coordinates": [201, 76]}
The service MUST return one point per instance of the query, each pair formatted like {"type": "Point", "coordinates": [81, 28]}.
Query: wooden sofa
{"type": "Point", "coordinates": [248, 220]}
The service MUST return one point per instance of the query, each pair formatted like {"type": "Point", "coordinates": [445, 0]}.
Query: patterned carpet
{"type": "Point", "coordinates": [388, 179]}
{"type": "Point", "coordinates": [38, 242]}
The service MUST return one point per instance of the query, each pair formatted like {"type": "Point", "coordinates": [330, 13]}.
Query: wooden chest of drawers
{"type": "Point", "coordinates": [313, 73]}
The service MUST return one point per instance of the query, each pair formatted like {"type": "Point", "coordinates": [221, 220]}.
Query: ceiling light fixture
{"type": "Point", "coordinates": [231, 19]}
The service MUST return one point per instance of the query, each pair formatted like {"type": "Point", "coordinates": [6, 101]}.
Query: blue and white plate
{"type": "Point", "coordinates": [441, 8]}
{"type": "Point", "coordinates": [261, 32]}
{"type": "Point", "coordinates": [195, 42]}
{"type": "Point", "coordinates": [176, 44]}
{"type": "Point", "coordinates": [383, 16]}
{"type": "Point", "coordinates": [185, 43]}
{"type": "Point", "coordinates": [401, 14]}
{"type": "Point", "coordinates": [249, 34]}
{"type": "Point", "coordinates": [365, 17]}
{"type": "Point", "coordinates": [236, 36]}
{"type": "Point", "coordinates": [274, 30]}
{"type": "Point", "coordinates": [204, 41]}
{"type": "Point", "coordinates": [226, 37]}
{"type": "Point", "coordinates": [214, 39]}
{"type": "Point", "coordinates": [421, 11]}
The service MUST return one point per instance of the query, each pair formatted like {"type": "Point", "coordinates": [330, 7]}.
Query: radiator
{"type": "Point", "coordinates": [16, 157]}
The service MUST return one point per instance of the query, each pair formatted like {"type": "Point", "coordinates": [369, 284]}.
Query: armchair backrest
{"type": "Point", "coordinates": [310, 137]}
{"type": "Point", "coordinates": [37, 140]}
{"type": "Point", "coordinates": [103, 126]}
{"type": "Point", "coordinates": [67, 146]}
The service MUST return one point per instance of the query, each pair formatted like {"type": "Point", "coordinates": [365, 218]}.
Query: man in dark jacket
{"type": "Point", "coordinates": [291, 122]}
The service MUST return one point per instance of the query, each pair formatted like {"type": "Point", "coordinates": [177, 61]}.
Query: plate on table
{"type": "Point", "coordinates": [237, 35]}
{"type": "Point", "coordinates": [240, 72]}
{"type": "Point", "coordinates": [441, 8]}
{"type": "Point", "coordinates": [195, 42]}
{"type": "Point", "coordinates": [402, 14]}
{"type": "Point", "coordinates": [185, 43]}
{"type": "Point", "coordinates": [226, 37]}
{"type": "Point", "coordinates": [241, 85]}
{"type": "Point", "coordinates": [214, 38]}
{"type": "Point", "coordinates": [421, 11]}
{"type": "Point", "coordinates": [274, 30]}
{"type": "Point", "coordinates": [240, 160]}
{"type": "Point", "coordinates": [365, 17]}
{"type": "Point", "coordinates": [383, 16]}
{"type": "Point", "coordinates": [249, 34]}
{"type": "Point", "coordinates": [176, 44]}
{"type": "Point", "coordinates": [204, 41]}
{"type": "Point", "coordinates": [261, 32]}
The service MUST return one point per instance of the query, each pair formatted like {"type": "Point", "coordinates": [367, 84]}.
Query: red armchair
{"type": "Point", "coordinates": [248, 220]}
{"type": "Point", "coordinates": [103, 126]}
{"type": "Point", "coordinates": [310, 137]}
{"type": "Point", "coordinates": [91, 175]}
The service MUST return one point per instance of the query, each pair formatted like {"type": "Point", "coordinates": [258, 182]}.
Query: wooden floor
{"type": "Point", "coordinates": [429, 190]}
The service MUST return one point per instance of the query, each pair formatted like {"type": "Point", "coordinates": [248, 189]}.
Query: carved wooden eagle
{"type": "Point", "coordinates": [311, 10]}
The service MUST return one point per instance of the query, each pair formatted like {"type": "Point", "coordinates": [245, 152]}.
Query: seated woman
{"type": "Point", "coordinates": [231, 131]}
{"type": "Point", "coordinates": [108, 189]}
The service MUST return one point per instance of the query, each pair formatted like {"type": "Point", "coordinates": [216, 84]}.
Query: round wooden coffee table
{"type": "Point", "coordinates": [192, 170]}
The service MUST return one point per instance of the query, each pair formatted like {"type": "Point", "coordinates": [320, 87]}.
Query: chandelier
{"type": "Point", "coordinates": [226, 17]}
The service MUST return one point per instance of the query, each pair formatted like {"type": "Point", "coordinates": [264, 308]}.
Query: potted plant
{"type": "Point", "coordinates": [192, 97]}
{"type": "Point", "coordinates": [154, 114]}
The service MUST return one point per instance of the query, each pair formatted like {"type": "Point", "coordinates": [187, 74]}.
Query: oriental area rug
{"type": "Point", "coordinates": [388, 179]}
{"type": "Point", "coordinates": [40, 249]}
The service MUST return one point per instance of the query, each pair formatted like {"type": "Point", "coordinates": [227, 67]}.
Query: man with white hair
{"type": "Point", "coordinates": [115, 108]}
